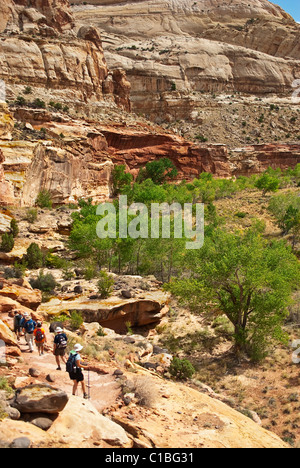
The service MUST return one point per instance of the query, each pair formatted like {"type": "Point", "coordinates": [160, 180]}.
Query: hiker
{"type": "Point", "coordinates": [74, 368]}
{"type": "Point", "coordinates": [40, 338]}
{"type": "Point", "coordinates": [60, 346]}
{"type": "Point", "coordinates": [18, 318]}
{"type": "Point", "coordinates": [28, 326]}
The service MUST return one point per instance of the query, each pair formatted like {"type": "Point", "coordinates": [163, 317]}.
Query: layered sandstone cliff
{"type": "Point", "coordinates": [54, 54]}
{"type": "Point", "coordinates": [80, 164]}
{"type": "Point", "coordinates": [173, 51]}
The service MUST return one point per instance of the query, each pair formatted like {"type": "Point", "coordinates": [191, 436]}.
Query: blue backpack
{"type": "Point", "coordinates": [29, 326]}
{"type": "Point", "coordinates": [71, 366]}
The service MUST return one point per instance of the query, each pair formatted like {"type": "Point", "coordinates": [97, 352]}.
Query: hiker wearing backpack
{"type": "Point", "coordinates": [18, 318]}
{"type": "Point", "coordinates": [60, 346]}
{"type": "Point", "coordinates": [28, 326]}
{"type": "Point", "coordinates": [40, 338]}
{"type": "Point", "coordinates": [74, 368]}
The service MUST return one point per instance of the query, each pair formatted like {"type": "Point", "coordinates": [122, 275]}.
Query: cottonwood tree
{"type": "Point", "coordinates": [248, 279]}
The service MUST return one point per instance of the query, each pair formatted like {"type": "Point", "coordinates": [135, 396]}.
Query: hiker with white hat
{"type": "Point", "coordinates": [60, 346]}
{"type": "Point", "coordinates": [74, 368]}
{"type": "Point", "coordinates": [28, 326]}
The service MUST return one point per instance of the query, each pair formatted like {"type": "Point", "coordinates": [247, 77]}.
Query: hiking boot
{"type": "Point", "coordinates": [85, 396]}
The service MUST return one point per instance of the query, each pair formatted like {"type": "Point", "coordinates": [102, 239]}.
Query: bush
{"type": "Point", "coordinates": [7, 243]}
{"type": "Point", "coordinates": [105, 285]}
{"type": "Point", "coordinates": [181, 369]}
{"type": "Point", "coordinates": [31, 215]}
{"type": "Point", "coordinates": [20, 101]}
{"type": "Point", "coordinates": [14, 228]}
{"type": "Point", "coordinates": [39, 104]}
{"type": "Point", "coordinates": [145, 391]}
{"type": "Point", "coordinates": [34, 256]}
{"type": "Point", "coordinates": [44, 199]}
{"type": "Point", "coordinates": [17, 271]}
{"type": "Point", "coordinates": [76, 320]}
{"type": "Point", "coordinates": [45, 283]}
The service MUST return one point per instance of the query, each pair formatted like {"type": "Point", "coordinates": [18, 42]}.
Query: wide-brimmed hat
{"type": "Point", "coordinates": [78, 347]}
{"type": "Point", "coordinates": [58, 330]}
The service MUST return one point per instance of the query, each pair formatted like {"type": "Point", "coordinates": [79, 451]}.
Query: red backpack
{"type": "Point", "coordinates": [39, 337]}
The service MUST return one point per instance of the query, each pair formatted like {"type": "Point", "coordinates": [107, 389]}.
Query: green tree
{"type": "Point", "coordinates": [247, 279]}
{"type": "Point", "coordinates": [105, 284]}
{"type": "Point", "coordinates": [181, 369]}
{"type": "Point", "coordinates": [7, 242]}
{"type": "Point", "coordinates": [34, 256]}
{"type": "Point", "coordinates": [121, 179]}
{"type": "Point", "coordinates": [44, 199]}
{"type": "Point", "coordinates": [268, 183]}
{"type": "Point", "coordinates": [158, 171]}
{"type": "Point", "coordinates": [14, 228]}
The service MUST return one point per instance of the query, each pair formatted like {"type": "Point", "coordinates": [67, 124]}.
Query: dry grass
{"type": "Point", "coordinates": [145, 391]}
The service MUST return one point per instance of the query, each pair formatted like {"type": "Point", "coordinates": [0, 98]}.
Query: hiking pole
{"type": "Point", "coordinates": [89, 386]}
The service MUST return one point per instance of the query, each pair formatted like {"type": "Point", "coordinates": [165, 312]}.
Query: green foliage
{"type": "Point", "coordinates": [28, 90]}
{"type": "Point", "coordinates": [268, 183]}
{"type": "Point", "coordinates": [17, 271]}
{"type": "Point", "coordinates": [31, 215]}
{"type": "Point", "coordinates": [44, 199]}
{"type": "Point", "coordinates": [5, 386]}
{"type": "Point", "coordinates": [76, 320]}
{"type": "Point", "coordinates": [20, 101]}
{"type": "Point", "coordinates": [45, 283]}
{"type": "Point", "coordinates": [248, 279]}
{"type": "Point", "coordinates": [181, 369]}
{"type": "Point", "coordinates": [34, 257]}
{"type": "Point", "coordinates": [158, 171]}
{"type": "Point", "coordinates": [39, 104]}
{"type": "Point", "coordinates": [14, 228]}
{"type": "Point", "coordinates": [286, 209]}
{"type": "Point", "coordinates": [105, 284]}
{"type": "Point", "coordinates": [7, 243]}
{"type": "Point", "coordinates": [120, 179]}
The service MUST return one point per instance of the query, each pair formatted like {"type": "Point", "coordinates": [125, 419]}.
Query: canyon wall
{"type": "Point", "coordinates": [173, 51]}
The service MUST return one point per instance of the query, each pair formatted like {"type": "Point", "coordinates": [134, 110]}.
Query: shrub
{"type": "Point", "coordinates": [240, 214]}
{"type": "Point", "coordinates": [145, 391]}
{"type": "Point", "coordinates": [44, 199]}
{"type": "Point", "coordinates": [14, 228]}
{"type": "Point", "coordinates": [76, 320]}
{"type": "Point", "coordinates": [7, 242]}
{"type": "Point", "coordinates": [105, 284]}
{"type": "Point", "coordinates": [181, 369]}
{"type": "Point", "coordinates": [268, 183]}
{"type": "Point", "coordinates": [20, 101]}
{"type": "Point", "coordinates": [39, 104]}
{"type": "Point", "coordinates": [28, 90]}
{"type": "Point", "coordinates": [45, 283]}
{"type": "Point", "coordinates": [31, 215]}
{"type": "Point", "coordinates": [34, 256]}
{"type": "Point", "coordinates": [17, 271]}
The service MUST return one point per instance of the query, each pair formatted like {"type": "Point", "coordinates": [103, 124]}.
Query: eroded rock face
{"type": "Point", "coordinates": [55, 54]}
{"type": "Point", "coordinates": [40, 16]}
{"type": "Point", "coordinates": [172, 50]}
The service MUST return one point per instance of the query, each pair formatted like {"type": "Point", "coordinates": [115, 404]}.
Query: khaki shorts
{"type": "Point", "coordinates": [60, 352]}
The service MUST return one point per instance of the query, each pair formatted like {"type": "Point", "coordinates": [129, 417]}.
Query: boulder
{"type": "Point", "coordinates": [21, 443]}
{"type": "Point", "coordinates": [9, 429]}
{"type": "Point", "coordinates": [40, 399]}
{"type": "Point", "coordinates": [80, 424]}
{"type": "Point", "coordinates": [7, 335]}
{"type": "Point", "coordinates": [27, 297]}
{"type": "Point", "coordinates": [113, 312]}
